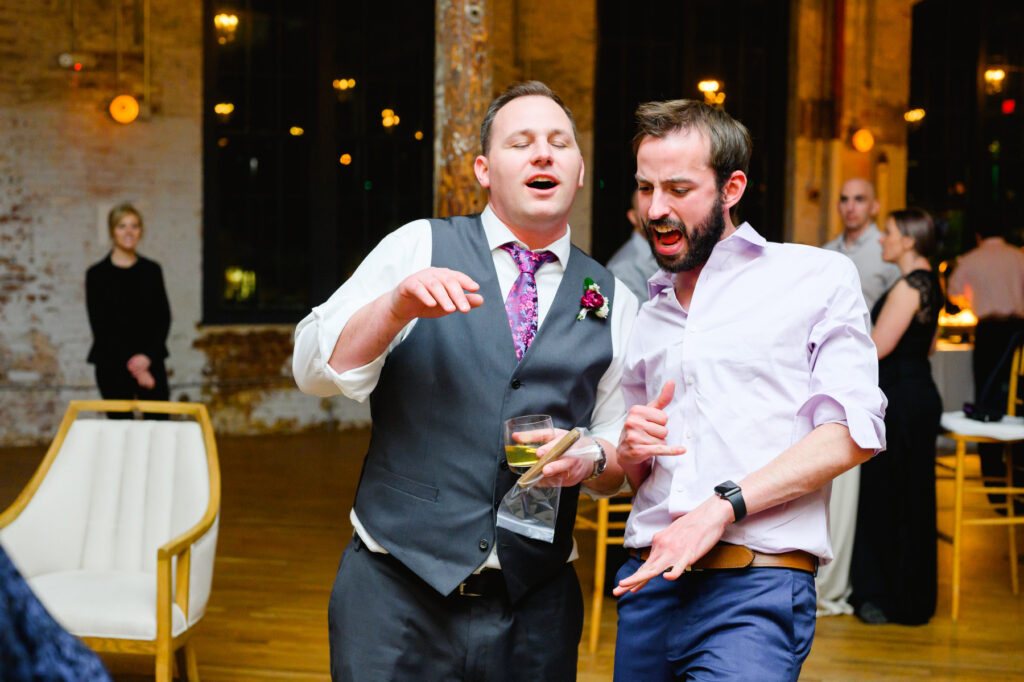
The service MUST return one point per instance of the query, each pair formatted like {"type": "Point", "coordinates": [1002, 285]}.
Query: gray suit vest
{"type": "Point", "coordinates": [435, 471]}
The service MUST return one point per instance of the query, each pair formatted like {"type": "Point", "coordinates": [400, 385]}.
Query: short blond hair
{"type": "Point", "coordinates": [120, 211]}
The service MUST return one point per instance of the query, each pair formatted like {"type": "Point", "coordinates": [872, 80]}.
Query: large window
{"type": "Point", "coordinates": [742, 45]}
{"type": "Point", "coordinates": [318, 129]}
{"type": "Point", "coordinates": [966, 155]}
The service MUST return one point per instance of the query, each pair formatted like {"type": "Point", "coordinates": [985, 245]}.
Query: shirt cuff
{"type": "Point", "coordinates": [866, 426]}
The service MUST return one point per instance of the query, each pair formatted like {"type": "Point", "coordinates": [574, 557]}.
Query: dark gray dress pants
{"type": "Point", "coordinates": [385, 623]}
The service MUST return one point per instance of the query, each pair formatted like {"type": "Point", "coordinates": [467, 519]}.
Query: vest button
{"type": "Point", "coordinates": [516, 383]}
{"type": "Point", "coordinates": [503, 465]}
{"type": "Point", "coordinates": [484, 545]}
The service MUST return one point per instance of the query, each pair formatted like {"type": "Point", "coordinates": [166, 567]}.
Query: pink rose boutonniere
{"type": "Point", "coordinates": [592, 300]}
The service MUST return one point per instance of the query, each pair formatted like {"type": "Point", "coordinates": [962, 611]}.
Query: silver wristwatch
{"type": "Point", "coordinates": [600, 463]}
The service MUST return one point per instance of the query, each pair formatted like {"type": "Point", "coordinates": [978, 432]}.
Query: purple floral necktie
{"type": "Point", "coordinates": [521, 304]}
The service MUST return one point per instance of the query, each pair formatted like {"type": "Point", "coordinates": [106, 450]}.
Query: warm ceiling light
{"type": "Point", "coordinates": [226, 25]}
{"type": "Point", "coordinates": [914, 115]}
{"type": "Point", "coordinates": [124, 109]}
{"type": "Point", "coordinates": [345, 159]}
{"type": "Point", "coordinates": [418, 134]}
{"type": "Point", "coordinates": [994, 80]}
{"type": "Point", "coordinates": [863, 140]}
{"type": "Point", "coordinates": [223, 108]}
{"type": "Point", "coordinates": [708, 86]}
{"type": "Point", "coordinates": [344, 83]}
{"type": "Point", "coordinates": [994, 75]}
{"type": "Point", "coordinates": [388, 118]}
{"type": "Point", "coordinates": [296, 131]}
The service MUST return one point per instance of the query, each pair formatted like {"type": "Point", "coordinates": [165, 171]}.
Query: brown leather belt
{"type": "Point", "coordinates": [724, 556]}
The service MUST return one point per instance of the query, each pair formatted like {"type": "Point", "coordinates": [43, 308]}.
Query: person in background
{"type": "Point", "coordinates": [753, 383]}
{"type": "Point", "coordinates": [894, 570]}
{"type": "Point", "coordinates": [859, 241]}
{"type": "Point", "coordinates": [633, 262]}
{"type": "Point", "coordinates": [129, 315]}
{"type": "Point", "coordinates": [989, 279]}
{"type": "Point", "coordinates": [450, 327]}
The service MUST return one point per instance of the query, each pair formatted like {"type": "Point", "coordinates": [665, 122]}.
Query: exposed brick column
{"type": "Point", "coordinates": [462, 88]}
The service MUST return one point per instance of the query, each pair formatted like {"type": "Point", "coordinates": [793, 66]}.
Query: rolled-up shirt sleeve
{"type": "Point", "coordinates": [398, 255]}
{"type": "Point", "coordinates": [844, 368]}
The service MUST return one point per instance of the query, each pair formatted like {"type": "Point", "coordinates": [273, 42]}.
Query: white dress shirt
{"type": "Point", "coordinates": [408, 250]}
{"type": "Point", "coordinates": [775, 343]}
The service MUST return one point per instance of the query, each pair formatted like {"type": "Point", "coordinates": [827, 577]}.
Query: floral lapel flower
{"type": "Point", "coordinates": [592, 300]}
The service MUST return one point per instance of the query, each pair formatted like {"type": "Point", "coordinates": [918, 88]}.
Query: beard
{"type": "Point", "coordinates": [699, 245]}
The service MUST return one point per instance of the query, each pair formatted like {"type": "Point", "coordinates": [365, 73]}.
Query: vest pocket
{"type": "Point", "coordinates": [402, 484]}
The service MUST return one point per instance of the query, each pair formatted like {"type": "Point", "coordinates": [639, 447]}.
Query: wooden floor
{"type": "Point", "coordinates": [284, 522]}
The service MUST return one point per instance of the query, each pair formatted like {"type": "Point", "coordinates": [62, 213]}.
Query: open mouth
{"type": "Point", "coordinates": [542, 182]}
{"type": "Point", "coordinates": [666, 235]}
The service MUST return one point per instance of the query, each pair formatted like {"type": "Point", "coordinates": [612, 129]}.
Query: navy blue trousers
{"type": "Point", "coordinates": [750, 624]}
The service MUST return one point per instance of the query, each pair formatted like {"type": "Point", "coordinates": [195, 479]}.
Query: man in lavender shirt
{"type": "Point", "coordinates": [753, 383]}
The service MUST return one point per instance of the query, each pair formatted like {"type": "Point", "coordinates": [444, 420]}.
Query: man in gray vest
{"type": "Point", "coordinates": [451, 327]}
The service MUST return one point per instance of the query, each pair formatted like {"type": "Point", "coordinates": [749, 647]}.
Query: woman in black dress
{"type": "Point", "coordinates": [894, 569]}
{"type": "Point", "coordinates": [129, 315]}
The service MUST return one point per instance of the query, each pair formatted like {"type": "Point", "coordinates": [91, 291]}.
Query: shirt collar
{"type": "Point", "coordinates": [743, 238]}
{"type": "Point", "coordinates": [870, 234]}
{"type": "Point", "coordinates": [498, 233]}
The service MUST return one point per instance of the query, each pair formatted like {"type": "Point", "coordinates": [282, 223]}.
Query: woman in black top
{"type": "Point", "coordinates": [894, 565]}
{"type": "Point", "coordinates": [129, 315]}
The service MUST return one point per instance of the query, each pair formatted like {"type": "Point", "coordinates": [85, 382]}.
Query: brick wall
{"type": "Point", "coordinates": [63, 163]}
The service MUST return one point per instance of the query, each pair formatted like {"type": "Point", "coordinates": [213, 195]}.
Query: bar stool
{"type": "Point", "coordinates": [1007, 431]}
{"type": "Point", "coordinates": [601, 525]}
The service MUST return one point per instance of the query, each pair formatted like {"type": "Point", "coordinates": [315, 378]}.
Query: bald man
{"type": "Point", "coordinates": [858, 208]}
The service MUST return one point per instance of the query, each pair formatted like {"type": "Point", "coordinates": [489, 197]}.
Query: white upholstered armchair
{"type": "Point", "coordinates": [116, 532]}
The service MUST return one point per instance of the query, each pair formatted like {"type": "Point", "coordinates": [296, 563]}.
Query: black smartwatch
{"type": "Point", "coordinates": [732, 493]}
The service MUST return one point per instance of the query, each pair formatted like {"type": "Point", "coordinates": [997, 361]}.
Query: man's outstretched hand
{"type": "Point", "coordinates": [434, 292]}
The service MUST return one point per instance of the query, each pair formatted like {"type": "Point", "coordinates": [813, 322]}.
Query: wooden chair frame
{"type": "Point", "coordinates": [601, 525]}
{"type": "Point", "coordinates": [1011, 520]}
{"type": "Point", "coordinates": [179, 548]}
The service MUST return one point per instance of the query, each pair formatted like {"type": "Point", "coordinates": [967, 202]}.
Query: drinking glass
{"type": "Point", "coordinates": [523, 435]}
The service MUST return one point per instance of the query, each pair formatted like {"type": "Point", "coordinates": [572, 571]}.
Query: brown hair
{"type": "Point", "coordinates": [729, 139]}
{"type": "Point", "coordinates": [919, 226]}
{"type": "Point", "coordinates": [513, 92]}
{"type": "Point", "coordinates": [120, 211]}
